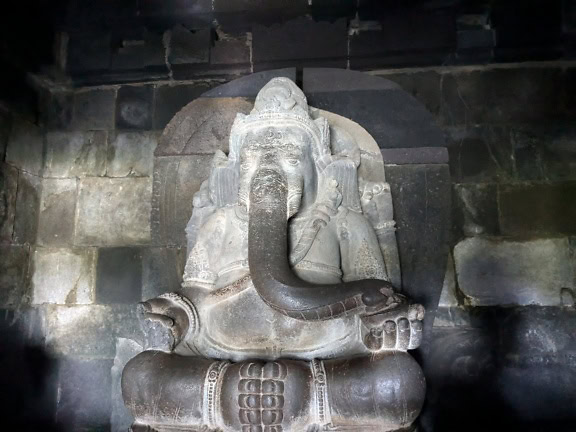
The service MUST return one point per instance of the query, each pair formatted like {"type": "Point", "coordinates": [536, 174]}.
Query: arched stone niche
{"type": "Point", "coordinates": [411, 144]}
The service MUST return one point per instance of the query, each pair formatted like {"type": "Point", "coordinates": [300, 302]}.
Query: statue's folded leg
{"type": "Point", "coordinates": [373, 393]}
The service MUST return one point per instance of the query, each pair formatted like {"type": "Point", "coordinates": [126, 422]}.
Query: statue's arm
{"type": "Point", "coordinates": [171, 320]}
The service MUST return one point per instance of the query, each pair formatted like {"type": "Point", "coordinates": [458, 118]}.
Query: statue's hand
{"type": "Point", "coordinates": [165, 321]}
{"type": "Point", "coordinates": [396, 327]}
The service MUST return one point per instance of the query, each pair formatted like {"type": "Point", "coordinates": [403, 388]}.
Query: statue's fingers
{"type": "Point", "coordinates": [162, 319]}
{"type": "Point", "coordinates": [416, 334]}
{"type": "Point", "coordinates": [403, 334]}
{"type": "Point", "coordinates": [389, 335]}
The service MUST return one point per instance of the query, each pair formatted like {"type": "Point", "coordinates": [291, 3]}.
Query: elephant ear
{"type": "Point", "coordinates": [219, 190]}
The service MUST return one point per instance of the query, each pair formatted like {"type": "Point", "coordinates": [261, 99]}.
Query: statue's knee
{"type": "Point", "coordinates": [385, 390]}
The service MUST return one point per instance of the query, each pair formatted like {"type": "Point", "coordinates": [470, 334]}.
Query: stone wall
{"type": "Point", "coordinates": [79, 248]}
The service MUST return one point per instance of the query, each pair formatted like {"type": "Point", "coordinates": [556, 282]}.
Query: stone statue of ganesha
{"type": "Point", "coordinates": [288, 318]}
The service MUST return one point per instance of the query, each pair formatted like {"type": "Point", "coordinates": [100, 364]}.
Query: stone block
{"type": "Point", "coordinates": [130, 154]}
{"type": "Point", "coordinates": [134, 105]}
{"type": "Point", "coordinates": [8, 192]}
{"type": "Point", "coordinates": [90, 331]}
{"type": "Point", "coordinates": [527, 210]}
{"type": "Point", "coordinates": [516, 95]}
{"type": "Point", "coordinates": [496, 272]}
{"type": "Point", "coordinates": [480, 153]}
{"type": "Point", "coordinates": [75, 154]}
{"type": "Point", "coordinates": [144, 50]}
{"type": "Point", "coordinates": [5, 126]}
{"type": "Point", "coordinates": [189, 47]}
{"type": "Point", "coordinates": [544, 153]}
{"type": "Point", "coordinates": [170, 99]}
{"type": "Point", "coordinates": [22, 327]}
{"type": "Point", "coordinates": [162, 270]}
{"type": "Point", "coordinates": [84, 394]}
{"type": "Point", "coordinates": [113, 212]}
{"type": "Point", "coordinates": [312, 43]}
{"type": "Point", "coordinates": [27, 208]}
{"type": "Point", "coordinates": [230, 51]}
{"type": "Point", "coordinates": [14, 263]}
{"type": "Point", "coordinates": [476, 209]}
{"type": "Point", "coordinates": [88, 52]}
{"type": "Point", "coordinates": [449, 295]}
{"type": "Point", "coordinates": [392, 116]}
{"type": "Point", "coordinates": [26, 147]}
{"type": "Point", "coordinates": [424, 86]}
{"type": "Point", "coordinates": [176, 180]}
{"type": "Point", "coordinates": [119, 275]}
{"type": "Point", "coordinates": [57, 210]}
{"type": "Point", "coordinates": [202, 127]}
{"type": "Point", "coordinates": [121, 418]}
{"type": "Point", "coordinates": [63, 276]}
{"type": "Point", "coordinates": [94, 109]}
{"type": "Point", "coordinates": [414, 156]}
{"type": "Point", "coordinates": [57, 109]}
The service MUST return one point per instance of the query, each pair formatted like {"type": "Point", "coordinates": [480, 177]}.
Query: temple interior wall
{"type": "Point", "coordinates": [78, 248]}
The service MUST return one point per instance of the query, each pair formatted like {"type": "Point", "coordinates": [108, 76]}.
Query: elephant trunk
{"type": "Point", "coordinates": [268, 259]}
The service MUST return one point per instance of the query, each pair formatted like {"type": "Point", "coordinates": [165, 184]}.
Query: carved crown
{"type": "Point", "coordinates": [281, 103]}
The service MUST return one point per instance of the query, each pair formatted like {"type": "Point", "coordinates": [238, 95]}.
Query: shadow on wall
{"type": "Point", "coordinates": [512, 369]}
{"type": "Point", "coordinates": [27, 385]}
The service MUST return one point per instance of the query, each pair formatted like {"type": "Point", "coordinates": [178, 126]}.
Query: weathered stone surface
{"type": "Point", "coordinates": [8, 192]}
{"type": "Point", "coordinates": [14, 263]}
{"type": "Point", "coordinates": [170, 99]}
{"type": "Point", "coordinates": [25, 147]}
{"type": "Point", "coordinates": [84, 394]}
{"type": "Point", "coordinates": [480, 153]}
{"type": "Point", "coordinates": [513, 95]}
{"type": "Point", "coordinates": [94, 109]}
{"type": "Point", "coordinates": [130, 154]}
{"type": "Point", "coordinates": [392, 116]}
{"type": "Point", "coordinates": [90, 330]}
{"type": "Point", "coordinates": [75, 154]}
{"type": "Point", "coordinates": [189, 47]}
{"type": "Point", "coordinates": [249, 86]}
{"type": "Point", "coordinates": [313, 43]}
{"type": "Point", "coordinates": [421, 196]}
{"type": "Point", "coordinates": [230, 51]}
{"type": "Point", "coordinates": [57, 109]}
{"type": "Point", "coordinates": [5, 126]}
{"type": "Point", "coordinates": [538, 209]}
{"type": "Point", "coordinates": [57, 210]}
{"type": "Point", "coordinates": [162, 270]}
{"type": "Point", "coordinates": [411, 156]}
{"type": "Point", "coordinates": [63, 276]}
{"type": "Point", "coordinates": [448, 297]}
{"type": "Point", "coordinates": [22, 327]}
{"type": "Point", "coordinates": [492, 272]}
{"type": "Point", "coordinates": [134, 105]}
{"type": "Point", "coordinates": [121, 419]}
{"type": "Point", "coordinates": [176, 179]}
{"type": "Point", "coordinates": [424, 86]}
{"type": "Point", "coordinates": [119, 275]}
{"type": "Point", "coordinates": [202, 127]}
{"type": "Point", "coordinates": [476, 209]}
{"type": "Point", "coordinates": [113, 212]}
{"type": "Point", "coordinates": [27, 208]}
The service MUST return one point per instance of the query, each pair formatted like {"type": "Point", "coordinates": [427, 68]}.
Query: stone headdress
{"type": "Point", "coordinates": [281, 103]}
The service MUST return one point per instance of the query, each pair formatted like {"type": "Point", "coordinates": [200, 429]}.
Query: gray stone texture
{"type": "Point", "coordinates": [75, 154]}
{"type": "Point", "coordinates": [162, 270]}
{"type": "Point", "coordinates": [424, 86]}
{"type": "Point", "coordinates": [119, 275]}
{"type": "Point", "coordinates": [90, 331]}
{"type": "Point", "coordinates": [496, 272]}
{"type": "Point", "coordinates": [27, 208]}
{"type": "Point", "coordinates": [176, 179]}
{"type": "Point", "coordinates": [14, 264]}
{"type": "Point", "coordinates": [476, 209]}
{"type": "Point", "coordinates": [202, 127]}
{"type": "Point", "coordinates": [134, 105]}
{"type": "Point", "coordinates": [171, 98]}
{"type": "Point", "coordinates": [249, 86]}
{"type": "Point", "coordinates": [57, 211]}
{"type": "Point", "coordinates": [121, 419]}
{"type": "Point", "coordinates": [94, 109]}
{"type": "Point", "coordinates": [63, 276]}
{"type": "Point", "coordinates": [130, 154]}
{"type": "Point", "coordinates": [113, 212]}
{"type": "Point", "coordinates": [84, 394]}
{"type": "Point", "coordinates": [5, 126]}
{"type": "Point", "coordinates": [538, 209]}
{"type": "Point", "coordinates": [26, 147]}
{"type": "Point", "coordinates": [8, 192]}
{"type": "Point", "coordinates": [189, 47]}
